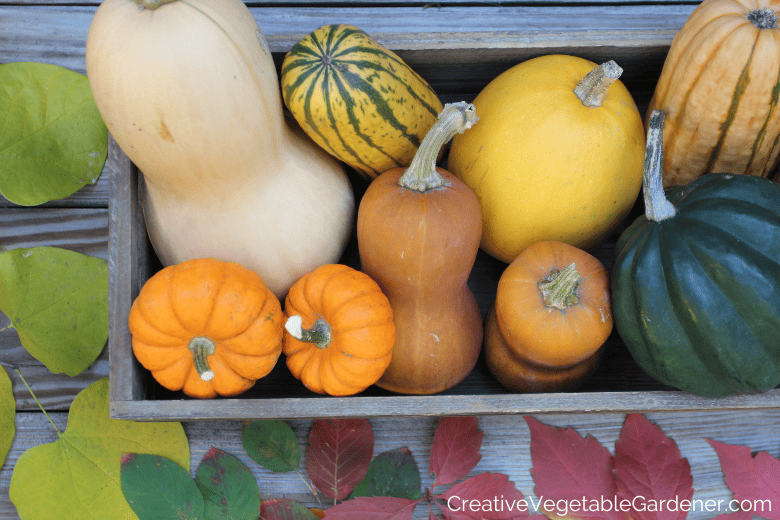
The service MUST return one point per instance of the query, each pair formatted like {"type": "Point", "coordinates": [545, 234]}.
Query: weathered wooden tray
{"type": "Point", "coordinates": [458, 50]}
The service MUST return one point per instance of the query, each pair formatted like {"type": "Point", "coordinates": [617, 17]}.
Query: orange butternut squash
{"type": "Point", "coordinates": [418, 232]}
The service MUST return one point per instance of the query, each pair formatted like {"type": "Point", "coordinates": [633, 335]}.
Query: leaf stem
{"type": "Point", "coordinates": [16, 369]}
{"type": "Point", "coordinates": [5, 328]}
{"type": "Point", "coordinates": [311, 488]}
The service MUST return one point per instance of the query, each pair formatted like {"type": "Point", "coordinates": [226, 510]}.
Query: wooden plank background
{"type": "Point", "coordinates": [54, 31]}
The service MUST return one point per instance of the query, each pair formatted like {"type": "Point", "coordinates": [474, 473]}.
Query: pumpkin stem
{"type": "Point", "coordinates": [201, 348]}
{"type": "Point", "coordinates": [657, 207]}
{"type": "Point", "coordinates": [763, 18]}
{"type": "Point", "coordinates": [152, 4]}
{"type": "Point", "coordinates": [421, 175]}
{"type": "Point", "coordinates": [592, 90]}
{"type": "Point", "coordinates": [561, 288]}
{"type": "Point", "coordinates": [319, 333]}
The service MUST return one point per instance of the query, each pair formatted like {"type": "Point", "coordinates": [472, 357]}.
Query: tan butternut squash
{"type": "Point", "coordinates": [190, 93]}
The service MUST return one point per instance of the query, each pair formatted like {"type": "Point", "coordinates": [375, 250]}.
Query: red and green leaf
{"type": "Point", "coordinates": [455, 450]}
{"type": "Point", "coordinates": [285, 509]}
{"type": "Point", "coordinates": [391, 474]}
{"type": "Point", "coordinates": [156, 488]}
{"type": "Point", "coordinates": [229, 488]}
{"type": "Point", "coordinates": [568, 467]}
{"type": "Point", "coordinates": [373, 508]}
{"type": "Point", "coordinates": [754, 480]}
{"type": "Point", "coordinates": [648, 464]}
{"type": "Point", "coordinates": [339, 454]}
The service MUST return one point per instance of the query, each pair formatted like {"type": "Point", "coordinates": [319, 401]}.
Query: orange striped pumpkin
{"type": "Point", "coordinates": [719, 91]}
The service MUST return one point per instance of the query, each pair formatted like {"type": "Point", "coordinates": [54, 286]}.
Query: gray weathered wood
{"type": "Point", "coordinates": [460, 35]}
{"type": "Point", "coordinates": [505, 447]}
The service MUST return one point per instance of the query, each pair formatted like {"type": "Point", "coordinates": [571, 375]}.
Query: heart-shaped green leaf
{"type": "Point", "coordinates": [159, 489]}
{"type": "Point", "coordinates": [52, 139]}
{"type": "Point", "coordinates": [272, 444]}
{"type": "Point", "coordinates": [393, 473]}
{"type": "Point", "coordinates": [228, 487]}
{"type": "Point", "coordinates": [78, 475]}
{"type": "Point", "coordinates": [57, 301]}
{"type": "Point", "coordinates": [7, 415]}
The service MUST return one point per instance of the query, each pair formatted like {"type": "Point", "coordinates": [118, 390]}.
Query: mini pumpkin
{"type": "Point", "coordinates": [551, 316]}
{"type": "Point", "coordinates": [206, 327]}
{"type": "Point", "coordinates": [340, 330]}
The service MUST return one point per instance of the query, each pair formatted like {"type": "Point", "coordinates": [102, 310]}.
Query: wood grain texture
{"type": "Point", "coordinates": [57, 34]}
{"type": "Point", "coordinates": [505, 447]}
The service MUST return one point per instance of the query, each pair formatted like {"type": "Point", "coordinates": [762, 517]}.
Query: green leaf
{"type": "Point", "coordinates": [52, 138]}
{"type": "Point", "coordinates": [57, 301]}
{"type": "Point", "coordinates": [159, 489]}
{"type": "Point", "coordinates": [393, 473]}
{"type": "Point", "coordinates": [78, 475]}
{"type": "Point", "coordinates": [7, 415]}
{"type": "Point", "coordinates": [272, 444]}
{"type": "Point", "coordinates": [228, 487]}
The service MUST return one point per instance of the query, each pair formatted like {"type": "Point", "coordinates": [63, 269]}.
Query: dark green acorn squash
{"type": "Point", "coordinates": [696, 282]}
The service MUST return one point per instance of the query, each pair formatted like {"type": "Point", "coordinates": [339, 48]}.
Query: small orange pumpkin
{"type": "Point", "coordinates": [206, 327]}
{"type": "Point", "coordinates": [340, 330]}
{"type": "Point", "coordinates": [551, 316]}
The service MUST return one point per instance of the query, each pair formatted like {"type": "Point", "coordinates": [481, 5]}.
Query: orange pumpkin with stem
{"type": "Point", "coordinates": [206, 327]}
{"type": "Point", "coordinates": [418, 233]}
{"type": "Point", "coordinates": [551, 316]}
{"type": "Point", "coordinates": [340, 330]}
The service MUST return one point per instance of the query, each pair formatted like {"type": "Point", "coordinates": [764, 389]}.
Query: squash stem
{"type": "Point", "coordinates": [763, 18]}
{"type": "Point", "coordinates": [592, 90]}
{"type": "Point", "coordinates": [657, 207]}
{"type": "Point", "coordinates": [421, 175]}
{"type": "Point", "coordinates": [319, 333]}
{"type": "Point", "coordinates": [201, 349]}
{"type": "Point", "coordinates": [152, 4]}
{"type": "Point", "coordinates": [561, 288]}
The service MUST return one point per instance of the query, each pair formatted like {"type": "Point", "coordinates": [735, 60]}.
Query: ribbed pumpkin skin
{"type": "Point", "coordinates": [361, 324]}
{"type": "Point", "coordinates": [696, 296]}
{"type": "Point", "coordinates": [207, 298]}
{"type": "Point", "coordinates": [719, 90]}
{"type": "Point", "coordinates": [357, 99]}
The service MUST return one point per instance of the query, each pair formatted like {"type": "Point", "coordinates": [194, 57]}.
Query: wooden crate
{"type": "Point", "coordinates": [458, 49]}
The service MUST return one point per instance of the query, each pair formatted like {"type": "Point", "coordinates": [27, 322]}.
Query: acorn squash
{"type": "Point", "coordinates": [696, 282]}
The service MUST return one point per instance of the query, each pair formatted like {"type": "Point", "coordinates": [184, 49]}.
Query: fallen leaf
{"type": "Point", "coordinates": [339, 454]}
{"type": "Point", "coordinates": [490, 496]}
{"type": "Point", "coordinates": [7, 415]}
{"type": "Point", "coordinates": [648, 464]}
{"type": "Point", "coordinates": [159, 489]}
{"type": "Point", "coordinates": [568, 467]}
{"type": "Point", "coordinates": [229, 488]}
{"type": "Point", "coordinates": [57, 301]}
{"type": "Point", "coordinates": [78, 475]}
{"type": "Point", "coordinates": [455, 449]}
{"type": "Point", "coordinates": [393, 473]}
{"type": "Point", "coordinates": [272, 444]}
{"type": "Point", "coordinates": [753, 480]}
{"type": "Point", "coordinates": [373, 508]}
{"type": "Point", "coordinates": [285, 509]}
{"type": "Point", "coordinates": [52, 140]}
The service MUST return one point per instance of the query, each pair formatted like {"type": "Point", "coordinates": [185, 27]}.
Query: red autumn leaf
{"type": "Point", "coordinates": [484, 496]}
{"type": "Point", "coordinates": [753, 480]}
{"type": "Point", "coordinates": [567, 468]}
{"type": "Point", "coordinates": [372, 508]}
{"type": "Point", "coordinates": [339, 454]}
{"type": "Point", "coordinates": [648, 466]}
{"type": "Point", "coordinates": [739, 515]}
{"type": "Point", "coordinates": [455, 449]}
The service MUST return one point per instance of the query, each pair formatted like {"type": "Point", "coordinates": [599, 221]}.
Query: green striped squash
{"type": "Point", "coordinates": [719, 90]}
{"type": "Point", "coordinates": [357, 99]}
